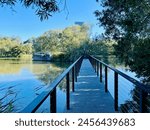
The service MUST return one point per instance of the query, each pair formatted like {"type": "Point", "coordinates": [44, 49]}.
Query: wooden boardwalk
{"type": "Point", "coordinates": [89, 95]}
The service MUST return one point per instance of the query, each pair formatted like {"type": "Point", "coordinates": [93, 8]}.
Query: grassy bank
{"type": "Point", "coordinates": [22, 57]}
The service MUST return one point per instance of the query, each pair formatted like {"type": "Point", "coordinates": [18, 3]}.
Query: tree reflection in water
{"type": "Point", "coordinates": [22, 81]}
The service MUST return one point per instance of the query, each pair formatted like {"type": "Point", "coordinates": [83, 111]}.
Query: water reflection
{"type": "Point", "coordinates": [21, 82]}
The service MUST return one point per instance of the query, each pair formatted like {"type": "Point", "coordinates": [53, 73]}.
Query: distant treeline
{"type": "Point", "coordinates": [13, 47]}
{"type": "Point", "coordinates": [68, 44]}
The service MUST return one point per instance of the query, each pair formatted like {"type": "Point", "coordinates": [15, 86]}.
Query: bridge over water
{"type": "Point", "coordinates": [89, 94]}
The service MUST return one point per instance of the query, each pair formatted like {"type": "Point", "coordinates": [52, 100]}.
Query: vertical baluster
{"type": "Point", "coordinates": [67, 92]}
{"type": "Point", "coordinates": [73, 69]}
{"type": "Point", "coordinates": [95, 65]}
{"type": "Point", "coordinates": [106, 80]}
{"type": "Point", "coordinates": [78, 68]}
{"type": "Point", "coordinates": [97, 68]}
{"type": "Point", "coordinates": [53, 101]}
{"type": "Point", "coordinates": [80, 63]}
{"type": "Point", "coordinates": [143, 101]}
{"type": "Point", "coordinates": [100, 72]}
{"type": "Point", "coordinates": [116, 91]}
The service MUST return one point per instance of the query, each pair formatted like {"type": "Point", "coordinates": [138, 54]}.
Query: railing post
{"type": "Point", "coordinates": [143, 101]}
{"type": "Point", "coordinates": [106, 80]}
{"type": "Point", "coordinates": [53, 101]}
{"type": "Point", "coordinates": [73, 69]}
{"type": "Point", "coordinates": [80, 63]}
{"type": "Point", "coordinates": [97, 68]}
{"type": "Point", "coordinates": [67, 92]}
{"type": "Point", "coordinates": [78, 67]}
{"type": "Point", "coordinates": [95, 65]}
{"type": "Point", "coordinates": [100, 72]}
{"type": "Point", "coordinates": [92, 62]}
{"type": "Point", "coordinates": [116, 91]}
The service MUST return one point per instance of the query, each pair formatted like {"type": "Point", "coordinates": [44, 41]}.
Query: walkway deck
{"type": "Point", "coordinates": [89, 95]}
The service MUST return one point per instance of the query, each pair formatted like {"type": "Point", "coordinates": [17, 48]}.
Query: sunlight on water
{"type": "Point", "coordinates": [21, 82]}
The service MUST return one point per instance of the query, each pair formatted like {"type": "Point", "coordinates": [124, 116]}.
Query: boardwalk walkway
{"type": "Point", "coordinates": [89, 95]}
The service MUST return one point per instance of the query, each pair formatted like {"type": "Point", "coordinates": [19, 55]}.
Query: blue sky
{"type": "Point", "coordinates": [25, 24]}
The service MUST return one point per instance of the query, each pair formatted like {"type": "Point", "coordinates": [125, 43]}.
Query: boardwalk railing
{"type": "Point", "coordinates": [51, 91]}
{"type": "Point", "coordinates": [141, 97]}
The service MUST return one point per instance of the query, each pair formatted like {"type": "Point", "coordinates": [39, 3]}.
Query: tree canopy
{"type": "Point", "coordinates": [64, 45]}
{"type": "Point", "coordinates": [128, 22]}
{"type": "Point", "coordinates": [122, 17]}
{"type": "Point", "coordinates": [65, 41]}
{"type": "Point", "coordinates": [12, 47]}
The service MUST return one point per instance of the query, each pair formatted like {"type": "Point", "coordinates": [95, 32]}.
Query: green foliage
{"type": "Point", "coordinates": [121, 18]}
{"type": "Point", "coordinates": [6, 44]}
{"type": "Point", "coordinates": [72, 39]}
{"type": "Point", "coordinates": [141, 59]}
{"type": "Point", "coordinates": [48, 42]}
{"type": "Point", "coordinates": [101, 47]}
{"type": "Point", "coordinates": [11, 47]}
{"type": "Point", "coordinates": [70, 43]}
{"type": "Point", "coordinates": [128, 23]}
{"type": "Point", "coordinates": [63, 43]}
{"type": "Point", "coordinates": [15, 51]}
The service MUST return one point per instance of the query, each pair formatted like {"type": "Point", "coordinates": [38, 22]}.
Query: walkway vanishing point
{"type": "Point", "coordinates": [89, 95]}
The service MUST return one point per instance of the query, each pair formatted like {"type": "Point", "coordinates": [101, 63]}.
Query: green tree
{"type": "Point", "coordinates": [73, 38]}
{"type": "Point", "coordinates": [15, 51]}
{"type": "Point", "coordinates": [141, 59]}
{"type": "Point", "coordinates": [6, 44]}
{"type": "Point", "coordinates": [26, 49]}
{"type": "Point", "coordinates": [12, 47]}
{"type": "Point", "coordinates": [65, 43]}
{"type": "Point", "coordinates": [128, 23]}
{"type": "Point", "coordinates": [48, 42]}
{"type": "Point", "coordinates": [125, 18]}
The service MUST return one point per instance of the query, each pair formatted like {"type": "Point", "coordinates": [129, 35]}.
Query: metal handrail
{"type": "Point", "coordinates": [75, 67]}
{"type": "Point", "coordinates": [51, 90]}
{"type": "Point", "coordinates": [144, 89]}
{"type": "Point", "coordinates": [132, 80]}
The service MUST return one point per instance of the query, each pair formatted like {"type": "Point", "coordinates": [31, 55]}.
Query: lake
{"type": "Point", "coordinates": [22, 81]}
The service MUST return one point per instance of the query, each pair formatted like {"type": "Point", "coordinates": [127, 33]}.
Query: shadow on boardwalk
{"type": "Point", "coordinates": [89, 95]}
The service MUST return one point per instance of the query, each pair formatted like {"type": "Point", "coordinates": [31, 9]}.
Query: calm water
{"type": "Point", "coordinates": [21, 82]}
